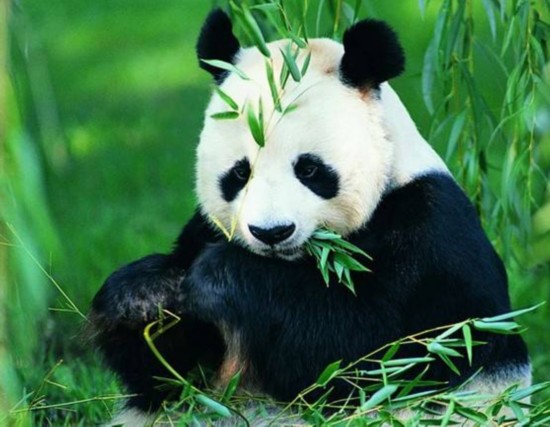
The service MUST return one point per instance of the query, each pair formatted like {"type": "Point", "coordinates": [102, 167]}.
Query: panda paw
{"type": "Point", "coordinates": [137, 293]}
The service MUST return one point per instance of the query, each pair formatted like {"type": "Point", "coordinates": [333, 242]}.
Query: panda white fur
{"type": "Point", "coordinates": [349, 158]}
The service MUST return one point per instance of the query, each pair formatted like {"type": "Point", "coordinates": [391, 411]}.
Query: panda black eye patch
{"type": "Point", "coordinates": [234, 180]}
{"type": "Point", "coordinates": [320, 178]}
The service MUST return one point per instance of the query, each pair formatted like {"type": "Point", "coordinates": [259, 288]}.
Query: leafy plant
{"type": "Point", "coordinates": [380, 391]}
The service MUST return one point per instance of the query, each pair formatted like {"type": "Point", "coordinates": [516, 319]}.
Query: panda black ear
{"type": "Point", "coordinates": [216, 41]}
{"type": "Point", "coordinates": [372, 55]}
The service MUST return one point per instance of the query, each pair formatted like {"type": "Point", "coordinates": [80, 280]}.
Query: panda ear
{"type": "Point", "coordinates": [216, 41]}
{"type": "Point", "coordinates": [372, 55]}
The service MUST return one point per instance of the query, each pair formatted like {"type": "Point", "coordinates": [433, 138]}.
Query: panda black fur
{"type": "Point", "coordinates": [262, 308]}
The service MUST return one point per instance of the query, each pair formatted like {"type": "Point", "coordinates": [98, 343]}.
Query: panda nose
{"type": "Point", "coordinates": [272, 235]}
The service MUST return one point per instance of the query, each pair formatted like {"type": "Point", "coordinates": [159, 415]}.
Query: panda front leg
{"type": "Point", "coordinates": [132, 297]}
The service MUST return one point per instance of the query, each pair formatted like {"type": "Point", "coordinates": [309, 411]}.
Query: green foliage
{"type": "Point", "coordinates": [490, 137]}
{"type": "Point", "coordinates": [335, 255]}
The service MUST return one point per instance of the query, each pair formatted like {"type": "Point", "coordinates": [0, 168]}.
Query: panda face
{"type": "Point", "coordinates": [324, 164]}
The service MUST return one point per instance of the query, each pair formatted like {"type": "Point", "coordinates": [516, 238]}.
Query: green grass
{"type": "Point", "coordinates": [106, 162]}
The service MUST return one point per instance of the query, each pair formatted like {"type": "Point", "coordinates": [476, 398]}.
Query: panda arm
{"type": "Point", "coordinates": [131, 298]}
{"type": "Point", "coordinates": [134, 293]}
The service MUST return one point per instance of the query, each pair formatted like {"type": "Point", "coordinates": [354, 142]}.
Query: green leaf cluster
{"type": "Point", "coordinates": [336, 255]}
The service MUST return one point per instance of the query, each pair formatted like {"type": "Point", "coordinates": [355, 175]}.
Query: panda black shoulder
{"type": "Point", "coordinates": [429, 223]}
{"type": "Point", "coordinates": [425, 201]}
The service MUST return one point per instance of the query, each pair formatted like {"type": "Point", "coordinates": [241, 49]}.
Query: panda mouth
{"type": "Point", "coordinates": [289, 254]}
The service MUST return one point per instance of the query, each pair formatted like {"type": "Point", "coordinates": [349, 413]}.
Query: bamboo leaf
{"type": "Point", "coordinates": [509, 35]}
{"type": "Point", "coordinates": [226, 98]}
{"type": "Point", "coordinates": [422, 6]}
{"type": "Point", "coordinates": [273, 86]}
{"type": "Point", "coordinates": [449, 332]}
{"type": "Point", "coordinates": [255, 124]}
{"type": "Point", "coordinates": [391, 351]}
{"type": "Point", "coordinates": [467, 333]}
{"type": "Point", "coordinates": [226, 66]}
{"type": "Point", "coordinates": [408, 360]}
{"type": "Point", "coordinates": [231, 387]}
{"type": "Point", "coordinates": [266, 7]}
{"type": "Point", "coordinates": [255, 31]}
{"type": "Point", "coordinates": [413, 396]}
{"type": "Point", "coordinates": [213, 405]}
{"type": "Point", "coordinates": [487, 5]}
{"type": "Point", "coordinates": [305, 65]}
{"type": "Point", "coordinates": [225, 115]}
{"type": "Point", "coordinates": [325, 252]}
{"type": "Point", "coordinates": [428, 74]}
{"type": "Point", "coordinates": [448, 414]}
{"type": "Point", "coordinates": [349, 262]}
{"type": "Point", "coordinates": [290, 62]}
{"type": "Point", "coordinates": [449, 363]}
{"type": "Point", "coordinates": [437, 348]}
{"type": "Point", "coordinates": [529, 391]}
{"type": "Point", "coordinates": [472, 414]}
{"type": "Point", "coordinates": [498, 327]}
{"type": "Point", "coordinates": [339, 269]}
{"type": "Point", "coordinates": [298, 40]}
{"type": "Point", "coordinates": [512, 314]}
{"type": "Point", "coordinates": [456, 130]}
{"type": "Point", "coordinates": [329, 373]}
{"type": "Point", "coordinates": [380, 396]}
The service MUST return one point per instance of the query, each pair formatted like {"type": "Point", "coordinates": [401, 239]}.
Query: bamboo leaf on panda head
{"type": "Point", "coordinates": [226, 66]}
{"type": "Point", "coordinates": [297, 40]}
{"type": "Point", "coordinates": [231, 103]}
{"type": "Point", "coordinates": [283, 76]}
{"type": "Point", "coordinates": [255, 31]}
{"type": "Point", "coordinates": [273, 86]}
{"type": "Point", "coordinates": [255, 124]}
{"type": "Point", "coordinates": [290, 108]}
{"type": "Point", "coordinates": [225, 115]}
{"type": "Point", "coordinates": [290, 62]}
{"type": "Point", "coordinates": [305, 65]}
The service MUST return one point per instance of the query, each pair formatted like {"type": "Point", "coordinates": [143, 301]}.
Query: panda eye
{"type": "Point", "coordinates": [308, 171]}
{"type": "Point", "coordinates": [241, 173]}
{"type": "Point", "coordinates": [316, 175]}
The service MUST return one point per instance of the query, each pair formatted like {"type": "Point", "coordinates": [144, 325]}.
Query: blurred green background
{"type": "Point", "coordinates": [100, 111]}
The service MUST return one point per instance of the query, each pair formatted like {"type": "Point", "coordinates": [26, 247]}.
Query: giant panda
{"type": "Point", "coordinates": [348, 158]}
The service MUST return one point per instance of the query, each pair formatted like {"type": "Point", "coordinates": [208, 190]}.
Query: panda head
{"type": "Point", "coordinates": [326, 163]}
